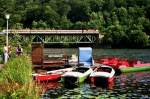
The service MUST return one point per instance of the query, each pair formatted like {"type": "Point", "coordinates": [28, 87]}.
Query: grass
{"type": "Point", "coordinates": [16, 80]}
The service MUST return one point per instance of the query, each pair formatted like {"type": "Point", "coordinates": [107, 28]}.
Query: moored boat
{"type": "Point", "coordinates": [77, 75]}
{"type": "Point", "coordinates": [47, 77]}
{"type": "Point", "coordinates": [102, 74]}
{"type": "Point", "coordinates": [54, 75]}
{"type": "Point", "coordinates": [124, 65]}
{"type": "Point", "coordinates": [134, 69]}
{"type": "Point", "coordinates": [117, 63]}
{"type": "Point", "coordinates": [114, 62]}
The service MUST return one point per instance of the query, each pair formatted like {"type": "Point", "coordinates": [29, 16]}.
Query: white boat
{"type": "Point", "coordinates": [77, 75]}
{"type": "Point", "coordinates": [102, 74]}
{"type": "Point", "coordinates": [83, 70]}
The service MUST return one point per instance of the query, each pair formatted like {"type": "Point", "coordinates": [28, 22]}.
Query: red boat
{"type": "Point", "coordinates": [138, 64]}
{"type": "Point", "coordinates": [117, 63]}
{"type": "Point", "coordinates": [109, 61]}
{"type": "Point", "coordinates": [54, 75]}
{"type": "Point", "coordinates": [47, 77]}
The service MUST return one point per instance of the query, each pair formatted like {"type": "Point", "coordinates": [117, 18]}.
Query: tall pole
{"type": "Point", "coordinates": [7, 34]}
{"type": "Point", "coordinates": [7, 18]}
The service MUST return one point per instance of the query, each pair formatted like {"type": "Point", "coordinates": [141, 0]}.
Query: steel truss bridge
{"type": "Point", "coordinates": [56, 36]}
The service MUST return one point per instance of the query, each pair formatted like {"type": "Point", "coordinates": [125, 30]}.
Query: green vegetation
{"type": "Point", "coordinates": [17, 40]}
{"type": "Point", "coordinates": [16, 80]}
{"type": "Point", "coordinates": [125, 23]}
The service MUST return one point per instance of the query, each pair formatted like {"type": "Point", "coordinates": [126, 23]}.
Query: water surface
{"type": "Point", "coordinates": [124, 86]}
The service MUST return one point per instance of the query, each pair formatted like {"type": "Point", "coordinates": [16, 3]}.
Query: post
{"type": "Point", "coordinates": [7, 18]}
{"type": "Point", "coordinates": [6, 45]}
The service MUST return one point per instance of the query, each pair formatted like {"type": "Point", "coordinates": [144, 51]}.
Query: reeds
{"type": "Point", "coordinates": [16, 80]}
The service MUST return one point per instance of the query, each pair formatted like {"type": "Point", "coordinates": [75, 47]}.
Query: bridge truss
{"type": "Point", "coordinates": [55, 36]}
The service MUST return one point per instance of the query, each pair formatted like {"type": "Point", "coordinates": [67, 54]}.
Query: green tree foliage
{"type": "Point", "coordinates": [96, 5]}
{"type": "Point", "coordinates": [79, 11]}
{"type": "Point", "coordinates": [116, 36]}
{"type": "Point", "coordinates": [118, 20]}
{"type": "Point", "coordinates": [40, 24]}
{"type": "Point", "coordinates": [2, 42]}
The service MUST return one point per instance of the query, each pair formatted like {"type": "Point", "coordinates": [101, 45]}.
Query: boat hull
{"type": "Point", "coordinates": [134, 69]}
{"type": "Point", "coordinates": [74, 80]}
{"type": "Point", "coordinates": [102, 75]}
{"type": "Point", "coordinates": [76, 77]}
{"type": "Point", "coordinates": [54, 75]}
{"type": "Point", "coordinates": [101, 80]}
{"type": "Point", "coordinates": [51, 77]}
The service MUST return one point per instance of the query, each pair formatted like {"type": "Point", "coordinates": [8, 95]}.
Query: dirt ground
{"type": "Point", "coordinates": [1, 65]}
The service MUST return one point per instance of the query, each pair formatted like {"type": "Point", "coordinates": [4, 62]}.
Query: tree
{"type": "Point", "coordinates": [96, 5]}
{"type": "Point", "coordinates": [51, 17]}
{"type": "Point", "coordinates": [109, 5]}
{"type": "Point", "coordinates": [78, 25]}
{"type": "Point", "coordinates": [79, 11]}
{"type": "Point", "coordinates": [63, 7]}
{"type": "Point", "coordinates": [18, 26]}
{"type": "Point", "coordinates": [65, 23]}
{"type": "Point", "coordinates": [138, 39]}
{"type": "Point", "coordinates": [39, 25]}
{"type": "Point", "coordinates": [97, 21]}
{"type": "Point", "coordinates": [121, 3]}
{"type": "Point", "coordinates": [115, 36]}
{"type": "Point", "coordinates": [122, 14]}
{"type": "Point", "coordinates": [6, 6]}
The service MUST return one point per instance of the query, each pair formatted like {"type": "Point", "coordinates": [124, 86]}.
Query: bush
{"type": "Point", "coordinates": [16, 80]}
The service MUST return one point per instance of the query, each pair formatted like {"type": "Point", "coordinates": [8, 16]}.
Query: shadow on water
{"type": "Point", "coordinates": [102, 83]}
{"type": "Point", "coordinates": [117, 72]}
{"type": "Point", "coordinates": [70, 85]}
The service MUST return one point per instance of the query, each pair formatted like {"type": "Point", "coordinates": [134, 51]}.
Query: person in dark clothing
{"type": "Point", "coordinates": [19, 50]}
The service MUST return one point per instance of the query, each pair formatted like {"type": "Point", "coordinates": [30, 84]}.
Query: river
{"type": "Point", "coordinates": [124, 86]}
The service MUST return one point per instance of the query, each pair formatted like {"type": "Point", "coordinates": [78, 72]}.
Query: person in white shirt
{"type": "Point", "coordinates": [5, 51]}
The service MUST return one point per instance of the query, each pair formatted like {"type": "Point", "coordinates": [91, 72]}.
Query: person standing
{"type": "Point", "coordinates": [19, 50]}
{"type": "Point", "coordinates": [9, 51]}
{"type": "Point", "coordinates": [5, 51]}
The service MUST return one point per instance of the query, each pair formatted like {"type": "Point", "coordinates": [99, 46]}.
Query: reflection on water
{"type": "Point", "coordinates": [103, 83]}
{"type": "Point", "coordinates": [125, 86]}
{"type": "Point", "coordinates": [135, 85]}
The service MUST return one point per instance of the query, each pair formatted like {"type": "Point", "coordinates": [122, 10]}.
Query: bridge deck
{"type": "Point", "coordinates": [57, 36]}
{"type": "Point", "coordinates": [28, 31]}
